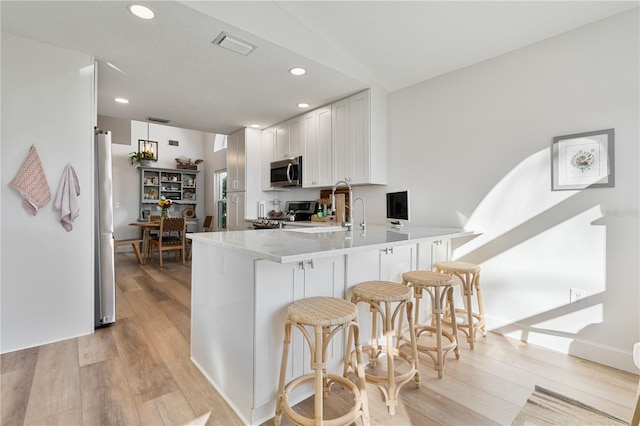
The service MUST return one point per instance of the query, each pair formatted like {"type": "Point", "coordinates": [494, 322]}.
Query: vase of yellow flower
{"type": "Point", "coordinates": [164, 205]}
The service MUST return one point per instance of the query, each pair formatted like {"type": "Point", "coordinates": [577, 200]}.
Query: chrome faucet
{"type": "Point", "coordinates": [363, 224]}
{"type": "Point", "coordinates": [349, 223]}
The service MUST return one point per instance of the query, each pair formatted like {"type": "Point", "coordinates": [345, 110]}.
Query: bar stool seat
{"type": "Point", "coordinates": [381, 296]}
{"type": "Point", "coordinates": [469, 276]}
{"type": "Point", "coordinates": [440, 288]}
{"type": "Point", "coordinates": [327, 316]}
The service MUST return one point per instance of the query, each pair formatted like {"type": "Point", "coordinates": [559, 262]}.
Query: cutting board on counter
{"type": "Point", "coordinates": [342, 202]}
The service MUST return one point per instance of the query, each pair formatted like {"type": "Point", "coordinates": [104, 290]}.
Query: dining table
{"type": "Point", "coordinates": [148, 226]}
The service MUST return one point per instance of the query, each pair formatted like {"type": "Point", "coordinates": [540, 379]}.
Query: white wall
{"type": "Point", "coordinates": [126, 178]}
{"type": "Point", "coordinates": [473, 148]}
{"type": "Point", "coordinates": [47, 272]}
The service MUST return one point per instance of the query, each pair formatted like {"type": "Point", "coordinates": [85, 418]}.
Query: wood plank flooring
{"type": "Point", "coordinates": [138, 371]}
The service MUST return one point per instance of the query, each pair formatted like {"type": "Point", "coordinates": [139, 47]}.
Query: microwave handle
{"type": "Point", "coordinates": [289, 170]}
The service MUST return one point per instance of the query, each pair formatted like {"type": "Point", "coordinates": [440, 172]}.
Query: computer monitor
{"type": "Point", "coordinates": [398, 207]}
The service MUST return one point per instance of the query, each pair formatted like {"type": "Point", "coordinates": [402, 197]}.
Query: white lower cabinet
{"type": "Point", "coordinates": [431, 252]}
{"type": "Point", "coordinates": [387, 264]}
{"type": "Point", "coordinates": [236, 211]}
{"type": "Point", "coordinates": [277, 286]}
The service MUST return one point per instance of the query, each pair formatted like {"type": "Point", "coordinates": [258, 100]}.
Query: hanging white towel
{"type": "Point", "coordinates": [32, 184]}
{"type": "Point", "coordinates": [67, 198]}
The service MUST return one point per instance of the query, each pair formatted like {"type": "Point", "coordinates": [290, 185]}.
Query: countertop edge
{"type": "Point", "coordinates": [446, 233]}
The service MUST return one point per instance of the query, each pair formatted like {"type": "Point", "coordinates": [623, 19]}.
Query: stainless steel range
{"type": "Point", "coordinates": [294, 211]}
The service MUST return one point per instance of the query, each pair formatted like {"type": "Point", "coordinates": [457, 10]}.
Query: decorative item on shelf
{"type": "Point", "coordinates": [189, 213]}
{"type": "Point", "coordinates": [164, 205]}
{"type": "Point", "coordinates": [147, 152]}
{"type": "Point", "coordinates": [185, 163]}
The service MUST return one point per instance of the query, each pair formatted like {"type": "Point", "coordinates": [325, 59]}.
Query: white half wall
{"type": "Point", "coordinates": [472, 146]}
{"type": "Point", "coordinates": [47, 273]}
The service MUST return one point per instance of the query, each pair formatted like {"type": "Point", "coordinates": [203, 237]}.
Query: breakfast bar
{"type": "Point", "coordinates": [242, 282]}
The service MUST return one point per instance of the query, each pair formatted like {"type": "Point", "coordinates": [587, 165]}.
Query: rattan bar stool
{"type": "Point", "coordinates": [326, 316]}
{"type": "Point", "coordinates": [381, 296]}
{"type": "Point", "coordinates": [469, 276]}
{"type": "Point", "coordinates": [440, 288]}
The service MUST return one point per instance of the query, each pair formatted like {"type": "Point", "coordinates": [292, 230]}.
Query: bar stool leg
{"type": "Point", "coordinates": [411, 321]}
{"type": "Point", "coordinates": [391, 383]}
{"type": "Point", "coordinates": [476, 282]}
{"type": "Point", "coordinates": [437, 313]}
{"type": "Point", "coordinates": [454, 326]}
{"type": "Point", "coordinates": [318, 367]}
{"type": "Point", "coordinates": [283, 373]}
{"type": "Point", "coordinates": [468, 292]}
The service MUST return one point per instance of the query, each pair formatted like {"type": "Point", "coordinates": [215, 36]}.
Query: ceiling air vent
{"type": "Point", "coordinates": [158, 120]}
{"type": "Point", "coordinates": [234, 44]}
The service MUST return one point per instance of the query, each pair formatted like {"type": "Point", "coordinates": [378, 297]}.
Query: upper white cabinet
{"type": "Point", "coordinates": [359, 132]}
{"type": "Point", "coordinates": [267, 158]}
{"type": "Point", "coordinates": [244, 174]}
{"type": "Point", "coordinates": [286, 139]}
{"type": "Point", "coordinates": [316, 148]}
{"type": "Point", "coordinates": [236, 161]}
{"type": "Point", "coordinates": [346, 140]}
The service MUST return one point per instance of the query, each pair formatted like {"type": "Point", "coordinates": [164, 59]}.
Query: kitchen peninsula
{"type": "Point", "coordinates": [242, 282]}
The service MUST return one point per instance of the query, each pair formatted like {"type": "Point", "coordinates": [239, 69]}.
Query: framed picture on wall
{"type": "Point", "coordinates": [583, 160]}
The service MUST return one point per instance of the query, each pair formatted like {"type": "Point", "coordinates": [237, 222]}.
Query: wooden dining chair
{"type": "Point", "coordinates": [171, 237]}
{"type": "Point", "coordinates": [152, 234]}
{"type": "Point", "coordinates": [207, 226]}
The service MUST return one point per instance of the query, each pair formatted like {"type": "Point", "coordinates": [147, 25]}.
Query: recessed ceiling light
{"type": "Point", "coordinates": [121, 100]}
{"type": "Point", "coordinates": [303, 105]}
{"type": "Point", "coordinates": [141, 11]}
{"type": "Point", "coordinates": [255, 126]}
{"type": "Point", "coordinates": [298, 71]}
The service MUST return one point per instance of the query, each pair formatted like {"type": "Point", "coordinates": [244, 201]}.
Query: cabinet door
{"type": "Point", "coordinates": [267, 157]}
{"type": "Point", "coordinates": [360, 140]}
{"type": "Point", "coordinates": [395, 261]}
{"type": "Point", "coordinates": [324, 148]}
{"type": "Point", "coordinates": [310, 162]}
{"type": "Point", "coordinates": [277, 286]}
{"type": "Point", "coordinates": [295, 136]}
{"type": "Point", "coordinates": [325, 277]}
{"type": "Point", "coordinates": [340, 140]}
{"type": "Point", "coordinates": [387, 265]}
{"type": "Point", "coordinates": [235, 211]}
{"type": "Point", "coordinates": [281, 141]}
{"type": "Point", "coordinates": [433, 252]}
{"type": "Point", "coordinates": [287, 139]}
{"type": "Point", "coordinates": [236, 161]}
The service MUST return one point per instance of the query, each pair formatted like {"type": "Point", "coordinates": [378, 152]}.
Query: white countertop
{"type": "Point", "coordinates": [285, 246]}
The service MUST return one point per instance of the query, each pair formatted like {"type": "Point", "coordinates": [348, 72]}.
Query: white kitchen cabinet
{"type": "Point", "coordinates": [236, 205]}
{"type": "Point", "coordinates": [434, 251]}
{"type": "Point", "coordinates": [267, 158]}
{"type": "Point", "coordinates": [244, 174]}
{"type": "Point", "coordinates": [316, 152]}
{"type": "Point", "coordinates": [286, 284]}
{"type": "Point", "coordinates": [386, 264]}
{"type": "Point", "coordinates": [359, 134]}
{"type": "Point", "coordinates": [236, 164]}
{"type": "Point", "coordinates": [286, 139]}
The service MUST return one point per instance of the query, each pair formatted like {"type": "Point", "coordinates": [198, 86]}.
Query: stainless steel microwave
{"type": "Point", "coordinates": [286, 172]}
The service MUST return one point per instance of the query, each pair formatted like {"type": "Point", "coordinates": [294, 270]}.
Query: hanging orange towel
{"type": "Point", "coordinates": [32, 184]}
{"type": "Point", "coordinates": [67, 198]}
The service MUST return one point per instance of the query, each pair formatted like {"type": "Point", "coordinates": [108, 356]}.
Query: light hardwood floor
{"type": "Point", "coordinates": [138, 371]}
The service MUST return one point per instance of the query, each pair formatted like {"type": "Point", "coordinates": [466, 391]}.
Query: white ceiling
{"type": "Point", "coordinates": [171, 70]}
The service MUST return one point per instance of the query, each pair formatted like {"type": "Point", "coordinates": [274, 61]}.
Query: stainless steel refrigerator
{"type": "Point", "coordinates": [105, 282]}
